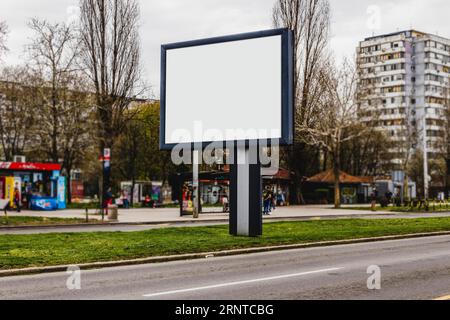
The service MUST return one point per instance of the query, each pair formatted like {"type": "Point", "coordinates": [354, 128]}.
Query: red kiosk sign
{"type": "Point", "coordinates": [19, 166]}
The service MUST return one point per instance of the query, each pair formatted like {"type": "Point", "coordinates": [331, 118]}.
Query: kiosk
{"type": "Point", "coordinates": [40, 185]}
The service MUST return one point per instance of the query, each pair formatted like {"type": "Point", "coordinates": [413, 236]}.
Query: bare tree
{"type": "Point", "coordinates": [111, 57]}
{"type": "Point", "coordinates": [406, 144]}
{"type": "Point", "coordinates": [310, 22]}
{"type": "Point", "coordinates": [77, 139]}
{"type": "Point", "coordinates": [65, 116]}
{"type": "Point", "coordinates": [18, 100]}
{"type": "Point", "coordinates": [131, 145]}
{"type": "Point", "coordinates": [368, 154]}
{"type": "Point", "coordinates": [337, 115]}
{"type": "Point", "coordinates": [52, 53]}
{"type": "Point", "coordinates": [3, 36]}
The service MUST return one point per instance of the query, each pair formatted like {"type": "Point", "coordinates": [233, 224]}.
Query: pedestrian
{"type": "Point", "coordinates": [29, 195]}
{"type": "Point", "coordinates": [108, 200]}
{"type": "Point", "coordinates": [273, 202]}
{"type": "Point", "coordinates": [266, 200]}
{"type": "Point", "coordinates": [17, 199]}
{"type": "Point", "coordinates": [389, 196]}
{"type": "Point", "coordinates": [373, 201]}
{"type": "Point", "coordinates": [147, 201]}
{"type": "Point", "coordinates": [125, 201]}
{"type": "Point", "coordinates": [280, 199]}
{"type": "Point", "coordinates": [441, 197]}
{"type": "Point", "coordinates": [225, 204]}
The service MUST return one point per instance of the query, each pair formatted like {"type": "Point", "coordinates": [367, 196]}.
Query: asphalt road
{"type": "Point", "coordinates": [410, 269]}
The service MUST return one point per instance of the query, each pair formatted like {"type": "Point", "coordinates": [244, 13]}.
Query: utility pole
{"type": "Point", "coordinates": [425, 157]}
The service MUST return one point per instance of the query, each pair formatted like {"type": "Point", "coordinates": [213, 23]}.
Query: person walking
{"type": "Point", "coordinates": [17, 199]}
{"type": "Point", "coordinates": [125, 201]}
{"type": "Point", "coordinates": [225, 204]}
{"type": "Point", "coordinates": [373, 201]}
{"type": "Point", "coordinates": [108, 200]}
{"type": "Point", "coordinates": [28, 195]}
{"type": "Point", "coordinates": [273, 202]}
{"type": "Point", "coordinates": [280, 199]}
{"type": "Point", "coordinates": [267, 199]}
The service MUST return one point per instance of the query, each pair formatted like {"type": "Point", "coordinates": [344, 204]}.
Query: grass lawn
{"type": "Point", "coordinates": [19, 251]}
{"type": "Point", "coordinates": [34, 221]}
{"type": "Point", "coordinates": [83, 206]}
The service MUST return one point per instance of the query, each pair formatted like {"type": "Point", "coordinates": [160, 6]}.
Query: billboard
{"type": "Point", "coordinates": [233, 88]}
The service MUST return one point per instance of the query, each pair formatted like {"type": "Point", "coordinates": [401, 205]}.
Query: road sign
{"type": "Point", "coordinates": [106, 158]}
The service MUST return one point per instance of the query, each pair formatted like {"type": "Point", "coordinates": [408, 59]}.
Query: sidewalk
{"type": "Point", "coordinates": [146, 215]}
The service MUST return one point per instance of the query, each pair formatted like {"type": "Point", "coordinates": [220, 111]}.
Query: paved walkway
{"type": "Point", "coordinates": [172, 215]}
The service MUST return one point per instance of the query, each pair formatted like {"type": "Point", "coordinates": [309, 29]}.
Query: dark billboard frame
{"type": "Point", "coordinates": [287, 87]}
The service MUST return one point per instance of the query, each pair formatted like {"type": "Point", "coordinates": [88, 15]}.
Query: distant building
{"type": "Point", "coordinates": [404, 89]}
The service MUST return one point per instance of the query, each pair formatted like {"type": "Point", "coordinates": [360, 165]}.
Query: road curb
{"type": "Point", "coordinates": [205, 255]}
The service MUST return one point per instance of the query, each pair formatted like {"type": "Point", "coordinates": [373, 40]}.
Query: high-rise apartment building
{"type": "Point", "coordinates": [404, 89]}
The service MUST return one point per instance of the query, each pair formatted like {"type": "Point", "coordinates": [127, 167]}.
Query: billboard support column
{"type": "Point", "coordinates": [196, 183]}
{"type": "Point", "coordinates": [246, 195]}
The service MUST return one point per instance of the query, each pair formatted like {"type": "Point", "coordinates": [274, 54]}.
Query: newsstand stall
{"type": "Point", "coordinates": [40, 185]}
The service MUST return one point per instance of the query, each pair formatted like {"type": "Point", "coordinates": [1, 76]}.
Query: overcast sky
{"type": "Point", "coordinates": [164, 21]}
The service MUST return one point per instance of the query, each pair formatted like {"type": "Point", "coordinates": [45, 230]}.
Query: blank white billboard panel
{"type": "Point", "coordinates": [223, 91]}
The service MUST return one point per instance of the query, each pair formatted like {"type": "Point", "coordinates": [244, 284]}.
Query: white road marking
{"type": "Point", "coordinates": [229, 284]}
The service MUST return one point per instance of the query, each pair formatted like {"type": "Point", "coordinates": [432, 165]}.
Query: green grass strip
{"type": "Point", "coordinates": [36, 221]}
{"type": "Point", "coordinates": [20, 251]}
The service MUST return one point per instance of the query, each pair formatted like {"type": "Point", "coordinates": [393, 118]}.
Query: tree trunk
{"type": "Point", "coordinates": [325, 160]}
{"type": "Point", "coordinates": [336, 170]}
{"type": "Point", "coordinates": [55, 118]}
{"type": "Point", "coordinates": [297, 164]}
{"type": "Point", "coordinates": [133, 183]}
{"type": "Point", "coordinates": [69, 188]}
{"type": "Point", "coordinates": [405, 187]}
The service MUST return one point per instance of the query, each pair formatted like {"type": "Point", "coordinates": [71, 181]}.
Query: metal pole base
{"type": "Point", "coordinates": [246, 196]}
